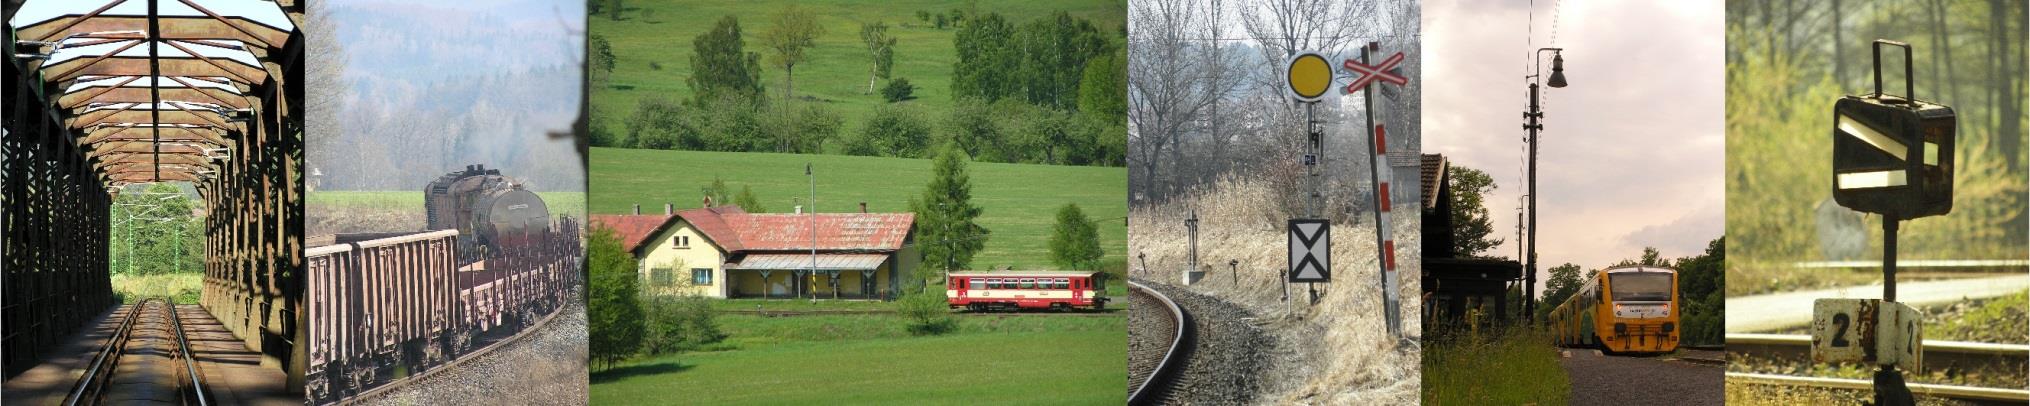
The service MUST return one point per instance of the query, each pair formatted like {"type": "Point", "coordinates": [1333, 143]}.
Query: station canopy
{"type": "Point", "coordinates": [155, 90]}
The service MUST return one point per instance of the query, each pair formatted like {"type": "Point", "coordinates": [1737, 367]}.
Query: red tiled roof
{"type": "Point", "coordinates": [836, 231]}
{"type": "Point", "coordinates": [712, 223]}
{"type": "Point", "coordinates": [634, 229]}
{"type": "Point", "coordinates": [736, 230]}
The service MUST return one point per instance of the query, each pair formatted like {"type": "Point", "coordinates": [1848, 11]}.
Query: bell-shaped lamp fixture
{"type": "Point", "coordinates": [1557, 70]}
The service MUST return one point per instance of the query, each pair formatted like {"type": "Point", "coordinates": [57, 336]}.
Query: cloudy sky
{"type": "Point", "coordinates": [1631, 151]}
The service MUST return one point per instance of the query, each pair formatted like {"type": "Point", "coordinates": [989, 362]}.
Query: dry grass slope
{"type": "Point", "coordinates": [1336, 352]}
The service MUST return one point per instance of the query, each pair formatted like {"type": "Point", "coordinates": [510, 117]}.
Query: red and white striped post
{"type": "Point", "coordinates": [1385, 243]}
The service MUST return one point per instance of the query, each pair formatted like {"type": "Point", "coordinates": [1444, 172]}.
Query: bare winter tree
{"type": "Point", "coordinates": [1167, 86]}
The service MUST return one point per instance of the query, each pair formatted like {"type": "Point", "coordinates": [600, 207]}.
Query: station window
{"type": "Point", "coordinates": [701, 276]}
{"type": "Point", "coordinates": [682, 241]}
{"type": "Point", "coordinates": [662, 276]}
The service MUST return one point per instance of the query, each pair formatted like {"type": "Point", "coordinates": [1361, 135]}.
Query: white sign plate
{"type": "Point", "coordinates": [1310, 250]}
{"type": "Point", "coordinates": [1867, 331]}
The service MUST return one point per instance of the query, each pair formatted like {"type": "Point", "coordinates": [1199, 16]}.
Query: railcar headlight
{"type": "Point", "coordinates": [1668, 326]}
{"type": "Point", "coordinates": [1620, 328]}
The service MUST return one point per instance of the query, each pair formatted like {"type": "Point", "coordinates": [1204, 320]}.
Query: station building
{"type": "Point", "coordinates": [726, 252]}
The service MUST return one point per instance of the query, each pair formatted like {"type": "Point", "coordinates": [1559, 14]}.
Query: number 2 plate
{"type": "Point", "coordinates": [1867, 331]}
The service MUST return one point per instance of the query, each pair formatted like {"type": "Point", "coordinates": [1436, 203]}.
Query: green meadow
{"type": "Point", "coordinates": [1020, 201]}
{"type": "Point", "coordinates": [652, 48]}
{"type": "Point", "coordinates": [1033, 360]}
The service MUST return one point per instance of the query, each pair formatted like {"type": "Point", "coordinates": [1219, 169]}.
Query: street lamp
{"type": "Point", "coordinates": [1534, 124]}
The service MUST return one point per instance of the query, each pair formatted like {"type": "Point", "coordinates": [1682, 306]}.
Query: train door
{"type": "Point", "coordinates": [1078, 290]}
{"type": "Point", "coordinates": [962, 284]}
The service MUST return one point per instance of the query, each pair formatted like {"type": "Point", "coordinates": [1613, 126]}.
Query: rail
{"type": "Point", "coordinates": [197, 387]}
{"type": "Point", "coordinates": [1938, 354]}
{"type": "Point", "coordinates": [91, 385]}
{"type": "Point", "coordinates": [101, 368]}
{"type": "Point", "coordinates": [1926, 389]}
{"type": "Point", "coordinates": [1164, 376]}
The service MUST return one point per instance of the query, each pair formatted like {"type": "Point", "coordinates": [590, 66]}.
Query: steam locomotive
{"type": "Point", "coordinates": [489, 211]}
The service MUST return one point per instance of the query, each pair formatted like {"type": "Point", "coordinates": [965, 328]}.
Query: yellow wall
{"type": "Point", "coordinates": [662, 253]}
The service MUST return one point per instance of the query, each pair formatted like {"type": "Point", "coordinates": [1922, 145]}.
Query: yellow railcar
{"type": "Point", "coordinates": [1623, 310]}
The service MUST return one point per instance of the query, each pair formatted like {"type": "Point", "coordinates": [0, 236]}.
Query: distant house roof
{"type": "Point", "coordinates": [634, 229]}
{"type": "Point", "coordinates": [736, 230]}
{"type": "Point", "coordinates": [1433, 178]}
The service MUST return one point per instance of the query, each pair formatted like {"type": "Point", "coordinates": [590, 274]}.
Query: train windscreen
{"type": "Point", "coordinates": [1641, 286]}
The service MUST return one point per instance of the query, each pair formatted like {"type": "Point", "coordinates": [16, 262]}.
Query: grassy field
{"type": "Point", "coordinates": [1513, 369]}
{"type": "Point", "coordinates": [1021, 201]}
{"type": "Point", "coordinates": [570, 203]}
{"type": "Point", "coordinates": [659, 33]}
{"type": "Point", "coordinates": [182, 288]}
{"type": "Point", "coordinates": [863, 359]}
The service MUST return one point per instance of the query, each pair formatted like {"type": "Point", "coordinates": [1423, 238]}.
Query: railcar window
{"type": "Point", "coordinates": [1063, 283]}
{"type": "Point", "coordinates": [1640, 286]}
{"type": "Point", "coordinates": [993, 284]}
{"type": "Point", "coordinates": [1028, 283]}
{"type": "Point", "coordinates": [701, 276]}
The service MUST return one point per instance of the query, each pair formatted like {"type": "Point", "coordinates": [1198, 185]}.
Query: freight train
{"type": "Point", "coordinates": [386, 306]}
{"type": "Point", "coordinates": [1622, 310]}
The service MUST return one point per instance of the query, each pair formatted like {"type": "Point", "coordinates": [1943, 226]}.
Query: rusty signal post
{"type": "Point", "coordinates": [1892, 156]}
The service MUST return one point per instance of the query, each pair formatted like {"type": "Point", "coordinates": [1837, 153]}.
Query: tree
{"type": "Point", "coordinates": [1053, 52]}
{"type": "Point", "coordinates": [1564, 282]}
{"type": "Point", "coordinates": [881, 49]}
{"type": "Point", "coordinates": [1470, 224]}
{"type": "Point", "coordinates": [970, 126]}
{"type": "Point", "coordinates": [947, 220]}
{"type": "Point", "coordinates": [720, 64]}
{"type": "Point", "coordinates": [719, 192]}
{"type": "Point", "coordinates": [613, 314]}
{"type": "Point", "coordinates": [600, 59]}
{"type": "Point", "coordinates": [747, 201]}
{"type": "Point", "coordinates": [986, 59]}
{"type": "Point", "coordinates": [1075, 240]}
{"type": "Point", "coordinates": [791, 31]}
{"type": "Point", "coordinates": [895, 130]}
{"type": "Point", "coordinates": [1104, 90]}
{"type": "Point", "coordinates": [898, 90]}
{"type": "Point", "coordinates": [154, 231]}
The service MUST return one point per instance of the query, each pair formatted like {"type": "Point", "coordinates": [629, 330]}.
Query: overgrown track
{"type": "Point", "coordinates": [373, 395]}
{"type": "Point", "coordinates": [1938, 355]}
{"type": "Point", "coordinates": [1159, 341]}
{"type": "Point", "coordinates": [146, 360]}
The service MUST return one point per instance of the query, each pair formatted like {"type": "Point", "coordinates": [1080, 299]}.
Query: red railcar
{"type": "Point", "coordinates": [981, 291]}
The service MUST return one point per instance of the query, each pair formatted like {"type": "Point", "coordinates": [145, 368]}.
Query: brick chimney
{"type": "Point", "coordinates": [863, 207]}
{"type": "Point", "coordinates": [637, 208]}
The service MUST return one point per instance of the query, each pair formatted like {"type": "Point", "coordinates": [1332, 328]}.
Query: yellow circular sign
{"type": "Point", "coordinates": [1309, 77]}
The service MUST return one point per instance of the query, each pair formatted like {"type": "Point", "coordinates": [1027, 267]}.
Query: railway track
{"type": "Point", "coordinates": [1938, 355]}
{"type": "Point", "coordinates": [1160, 345]}
{"type": "Point", "coordinates": [370, 395]}
{"type": "Point", "coordinates": [147, 359]}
